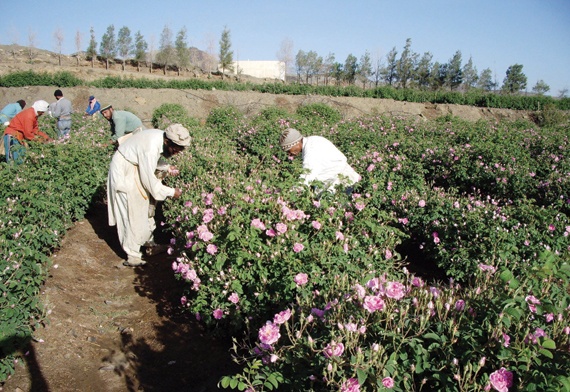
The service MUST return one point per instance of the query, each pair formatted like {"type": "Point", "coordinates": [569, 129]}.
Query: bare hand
{"type": "Point", "coordinates": [177, 193]}
{"type": "Point", "coordinates": [173, 171]}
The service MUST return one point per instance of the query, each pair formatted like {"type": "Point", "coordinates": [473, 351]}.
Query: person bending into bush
{"type": "Point", "coordinates": [322, 161]}
{"type": "Point", "coordinates": [132, 184]}
{"type": "Point", "coordinates": [123, 123]}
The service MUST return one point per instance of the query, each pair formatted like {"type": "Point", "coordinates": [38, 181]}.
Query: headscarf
{"type": "Point", "coordinates": [40, 106]}
{"type": "Point", "coordinates": [178, 135]}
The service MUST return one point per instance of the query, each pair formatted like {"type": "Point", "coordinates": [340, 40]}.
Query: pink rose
{"type": "Point", "coordinates": [233, 298]}
{"type": "Point", "coordinates": [373, 303]}
{"type": "Point", "coordinates": [298, 247]}
{"type": "Point", "coordinates": [282, 317]}
{"type": "Point", "coordinates": [301, 279]}
{"type": "Point", "coordinates": [388, 382]}
{"type": "Point", "coordinates": [395, 290]}
{"type": "Point", "coordinates": [218, 314]}
{"type": "Point", "coordinates": [501, 380]}
{"type": "Point", "coordinates": [350, 385]}
{"type": "Point", "coordinates": [333, 349]}
{"type": "Point", "coordinates": [269, 333]}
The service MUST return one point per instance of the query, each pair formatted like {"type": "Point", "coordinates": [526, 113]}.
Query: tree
{"type": "Point", "coordinates": [182, 51]}
{"type": "Point", "coordinates": [405, 66]}
{"type": "Point", "coordinates": [454, 74]}
{"type": "Point", "coordinates": [515, 80]}
{"type": "Point", "coordinates": [91, 51]}
{"type": "Point", "coordinates": [108, 46]}
{"type": "Point", "coordinates": [124, 44]}
{"type": "Point", "coordinates": [389, 72]}
{"type": "Point", "coordinates": [151, 52]}
{"type": "Point", "coordinates": [58, 39]}
{"type": "Point", "coordinates": [437, 76]}
{"type": "Point", "coordinates": [338, 72]}
{"type": "Point", "coordinates": [541, 87]}
{"type": "Point", "coordinates": [165, 49]}
{"type": "Point", "coordinates": [485, 81]}
{"type": "Point", "coordinates": [377, 72]}
{"type": "Point", "coordinates": [350, 68]}
{"type": "Point", "coordinates": [285, 55]}
{"type": "Point", "coordinates": [300, 64]}
{"type": "Point", "coordinates": [328, 67]}
{"type": "Point", "coordinates": [140, 49]}
{"type": "Point", "coordinates": [365, 69]}
{"type": "Point", "coordinates": [469, 74]}
{"type": "Point", "coordinates": [78, 42]}
{"type": "Point", "coordinates": [423, 71]}
{"type": "Point", "coordinates": [563, 93]}
{"type": "Point", "coordinates": [31, 45]}
{"type": "Point", "coordinates": [226, 54]}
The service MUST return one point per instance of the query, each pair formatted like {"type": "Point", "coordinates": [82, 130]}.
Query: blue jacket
{"type": "Point", "coordinates": [95, 109]}
{"type": "Point", "coordinates": [10, 111]}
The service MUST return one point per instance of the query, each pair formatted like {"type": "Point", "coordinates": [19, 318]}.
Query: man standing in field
{"type": "Point", "coordinates": [122, 123]}
{"type": "Point", "coordinates": [132, 184]}
{"type": "Point", "coordinates": [9, 111]}
{"type": "Point", "coordinates": [23, 127]}
{"type": "Point", "coordinates": [62, 110]}
{"type": "Point", "coordinates": [322, 161]}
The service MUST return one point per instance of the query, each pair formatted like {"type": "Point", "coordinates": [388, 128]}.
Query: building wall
{"type": "Point", "coordinates": [260, 69]}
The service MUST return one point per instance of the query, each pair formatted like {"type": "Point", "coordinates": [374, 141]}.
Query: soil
{"type": "Point", "coordinates": [113, 328]}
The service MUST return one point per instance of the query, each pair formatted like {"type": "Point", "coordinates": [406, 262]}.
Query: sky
{"type": "Point", "coordinates": [495, 34]}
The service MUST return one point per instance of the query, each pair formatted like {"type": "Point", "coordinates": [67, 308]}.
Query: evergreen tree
{"type": "Point", "coordinates": [469, 74]}
{"type": "Point", "coordinates": [182, 51]}
{"type": "Point", "coordinates": [166, 49]}
{"type": "Point", "coordinates": [350, 68]}
{"type": "Point", "coordinates": [226, 54]}
{"type": "Point", "coordinates": [515, 80]}
{"type": "Point", "coordinates": [92, 48]}
{"type": "Point", "coordinates": [328, 67]}
{"type": "Point", "coordinates": [140, 49]}
{"type": "Point", "coordinates": [423, 71]}
{"type": "Point", "coordinates": [454, 74]}
{"type": "Point", "coordinates": [437, 76]}
{"type": "Point", "coordinates": [541, 87]}
{"type": "Point", "coordinates": [365, 69]}
{"type": "Point", "coordinates": [405, 66]}
{"type": "Point", "coordinates": [124, 44]}
{"type": "Point", "coordinates": [485, 81]}
{"type": "Point", "coordinates": [389, 72]}
{"type": "Point", "coordinates": [300, 64]}
{"type": "Point", "coordinates": [108, 46]}
{"type": "Point", "coordinates": [338, 73]}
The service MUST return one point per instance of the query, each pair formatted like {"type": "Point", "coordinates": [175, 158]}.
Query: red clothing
{"type": "Point", "coordinates": [24, 126]}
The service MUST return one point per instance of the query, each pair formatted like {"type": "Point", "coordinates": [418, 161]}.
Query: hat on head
{"type": "Point", "coordinates": [91, 98]}
{"type": "Point", "coordinates": [106, 108]}
{"type": "Point", "coordinates": [22, 103]}
{"type": "Point", "coordinates": [58, 93]}
{"type": "Point", "coordinates": [178, 135]}
{"type": "Point", "coordinates": [40, 106]}
{"type": "Point", "coordinates": [289, 138]}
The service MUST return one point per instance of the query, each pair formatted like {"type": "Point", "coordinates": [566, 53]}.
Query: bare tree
{"type": "Point", "coordinates": [78, 40]}
{"type": "Point", "coordinates": [15, 39]}
{"type": "Point", "coordinates": [58, 39]}
{"type": "Point", "coordinates": [285, 55]}
{"type": "Point", "coordinates": [31, 45]}
{"type": "Point", "coordinates": [151, 52]}
{"type": "Point", "coordinates": [211, 59]}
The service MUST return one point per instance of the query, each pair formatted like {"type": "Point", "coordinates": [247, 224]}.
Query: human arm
{"type": "Point", "coordinates": [147, 163]}
{"type": "Point", "coordinates": [119, 125]}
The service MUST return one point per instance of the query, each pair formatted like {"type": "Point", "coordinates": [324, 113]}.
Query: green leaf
{"type": "Point", "coordinates": [362, 376]}
{"type": "Point", "coordinates": [549, 344]}
{"type": "Point", "coordinates": [432, 336]}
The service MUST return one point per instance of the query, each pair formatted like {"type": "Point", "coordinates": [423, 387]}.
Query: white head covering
{"type": "Point", "coordinates": [178, 134]}
{"type": "Point", "coordinates": [289, 138]}
{"type": "Point", "coordinates": [40, 106]}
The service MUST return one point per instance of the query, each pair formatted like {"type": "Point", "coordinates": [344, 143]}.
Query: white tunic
{"type": "Point", "coordinates": [130, 184]}
{"type": "Point", "coordinates": [324, 162]}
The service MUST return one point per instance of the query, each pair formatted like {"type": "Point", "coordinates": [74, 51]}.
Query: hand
{"type": "Point", "coordinates": [173, 171]}
{"type": "Point", "coordinates": [177, 193]}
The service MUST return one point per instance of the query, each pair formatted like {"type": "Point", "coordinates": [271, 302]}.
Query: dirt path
{"type": "Point", "coordinates": [115, 329]}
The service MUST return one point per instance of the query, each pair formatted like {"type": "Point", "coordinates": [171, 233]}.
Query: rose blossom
{"type": "Point", "coordinates": [350, 385]}
{"type": "Point", "coordinates": [282, 317]}
{"type": "Point", "coordinates": [212, 249]}
{"type": "Point", "coordinates": [388, 382]}
{"type": "Point", "coordinates": [218, 314]}
{"type": "Point", "coordinates": [422, 203]}
{"type": "Point", "coordinates": [501, 380]}
{"type": "Point", "coordinates": [301, 279]}
{"type": "Point", "coordinates": [373, 303]}
{"type": "Point", "coordinates": [298, 247]}
{"type": "Point", "coordinates": [258, 224]}
{"type": "Point", "coordinates": [281, 228]}
{"type": "Point", "coordinates": [270, 233]}
{"type": "Point", "coordinates": [316, 225]}
{"type": "Point", "coordinates": [395, 290]}
{"type": "Point", "coordinates": [233, 298]}
{"type": "Point", "coordinates": [269, 333]}
{"type": "Point", "coordinates": [333, 349]}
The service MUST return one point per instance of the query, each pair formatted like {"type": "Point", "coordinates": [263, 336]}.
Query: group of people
{"type": "Point", "coordinates": [137, 168]}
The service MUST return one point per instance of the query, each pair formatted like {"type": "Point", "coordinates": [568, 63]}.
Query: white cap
{"type": "Point", "coordinates": [40, 106]}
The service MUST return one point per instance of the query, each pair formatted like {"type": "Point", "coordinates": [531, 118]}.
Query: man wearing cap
{"type": "Point", "coordinates": [23, 127]}
{"type": "Point", "coordinates": [132, 184]}
{"type": "Point", "coordinates": [92, 107]}
{"type": "Point", "coordinates": [9, 111]}
{"type": "Point", "coordinates": [322, 161]}
{"type": "Point", "coordinates": [62, 110]}
{"type": "Point", "coordinates": [122, 123]}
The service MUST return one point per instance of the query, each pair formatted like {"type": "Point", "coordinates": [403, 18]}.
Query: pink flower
{"type": "Point", "coordinates": [435, 237]}
{"type": "Point", "coordinates": [373, 303]}
{"type": "Point", "coordinates": [549, 317]}
{"type": "Point", "coordinates": [339, 236]}
{"type": "Point", "coordinates": [460, 305]}
{"type": "Point", "coordinates": [370, 167]}
{"type": "Point", "coordinates": [388, 382]}
{"type": "Point", "coordinates": [490, 268]}
{"type": "Point", "coordinates": [183, 300]}
{"type": "Point", "coordinates": [388, 254]}
{"type": "Point", "coordinates": [301, 279]}
{"type": "Point", "coordinates": [233, 298]}
{"type": "Point", "coordinates": [298, 247]}
{"type": "Point", "coordinates": [270, 233]}
{"type": "Point", "coordinates": [551, 227]}
{"type": "Point", "coordinates": [269, 333]}
{"type": "Point", "coordinates": [208, 215]}
{"type": "Point", "coordinates": [422, 203]}
{"type": "Point", "coordinates": [281, 228]}
{"type": "Point", "coordinates": [417, 282]}
{"type": "Point", "coordinates": [350, 385]}
{"type": "Point", "coordinates": [282, 317]}
{"type": "Point", "coordinates": [316, 225]}
{"type": "Point", "coordinates": [506, 340]}
{"type": "Point", "coordinates": [501, 380]}
{"type": "Point", "coordinates": [333, 349]}
{"type": "Point", "coordinates": [218, 314]}
{"type": "Point", "coordinates": [258, 224]}
{"type": "Point", "coordinates": [212, 249]}
{"type": "Point", "coordinates": [395, 290]}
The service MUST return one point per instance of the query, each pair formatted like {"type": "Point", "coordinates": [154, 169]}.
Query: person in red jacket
{"type": "Point", "coordinates": [23, 127]}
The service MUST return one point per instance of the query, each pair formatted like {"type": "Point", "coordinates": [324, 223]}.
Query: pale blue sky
{"type": "Point", "coordinates": [494, 33]}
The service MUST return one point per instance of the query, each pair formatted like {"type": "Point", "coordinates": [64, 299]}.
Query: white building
{"type": "Point", "coordinates": [260, 69]}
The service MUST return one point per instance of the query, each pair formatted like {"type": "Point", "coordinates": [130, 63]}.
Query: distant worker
{"type": "Point", "coordinates": [132, 184]}
{"type": "Point", "coordinates": [92, 107]}
{"type": "Point", "coordinates": [122, 123]}
{"type": "Point", "coordinates": [9, 111]}
{"type": "Point", "coordinates": [322, 161]}
{"type": "Point", "coordinates": [23, 127]}
{"type": "Point", "coordinates": [62, 110]}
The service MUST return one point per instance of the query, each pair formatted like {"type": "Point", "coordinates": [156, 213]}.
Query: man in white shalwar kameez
{"type": "Point", "coordinates": [132, 184]}
{"type": "Point", "coordinates": [322, 161]}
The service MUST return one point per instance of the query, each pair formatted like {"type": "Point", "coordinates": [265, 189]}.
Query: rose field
{"type": "Point", "coordinates": [446, 269]}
